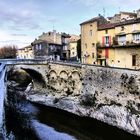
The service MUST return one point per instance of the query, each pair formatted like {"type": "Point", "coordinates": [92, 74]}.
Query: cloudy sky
{"type": "Point", "coordinates": [21, 21]}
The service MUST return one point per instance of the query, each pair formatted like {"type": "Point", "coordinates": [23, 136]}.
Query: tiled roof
{"type": "Point", "coordinates": [37, 41]}
{"type": "Point", "coordinates": [107, 26]}
{"type": "Point", "coordinates": [91, 20]}
{"type": "Point", "coordinates": [65, 35]}
{"type": "Point", "coordinates": [128, 13]}
{"type": "Point", "coordinates": [25, 47]}
{"type": "Point", "coordinates": [127, 22]}
{"type": "Point", "coordinates": [113, 25]}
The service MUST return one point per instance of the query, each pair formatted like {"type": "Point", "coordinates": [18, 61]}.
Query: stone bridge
{"type": "Point", "coordinates": [111, 95]}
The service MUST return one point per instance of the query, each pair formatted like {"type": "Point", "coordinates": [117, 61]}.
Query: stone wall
{"type": "Point", "coordinates": [115, 95]}
{"type": "Point", "coordinates": [65, 78]}
{"type": "Point", "coordinates": [111, 95]}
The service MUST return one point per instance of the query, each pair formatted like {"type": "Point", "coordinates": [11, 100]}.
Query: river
{"type": "Point", "coordinates": [33, 121]}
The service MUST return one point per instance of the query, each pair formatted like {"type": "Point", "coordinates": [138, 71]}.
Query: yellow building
{"type": "Point", "coordinates": [25, 53]}
{"type": "Point", "coordinates": [73, 49]}
{"type": "Point", "coordinates": [89, 36]}
{"type": "Point", "coordinates": [106, 36]}
{"type": "Point", "coordinates": [119, 44]}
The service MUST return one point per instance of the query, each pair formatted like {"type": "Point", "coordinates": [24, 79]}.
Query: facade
{"type": "Point", "coordinates": [73, 50]}
{"type": "Point", "coordinates": [115, 44]}
{"type": "Point", "coordinates": [25, 53]}
{"type": "Point", "coordinates": [119, 44]}
{"type": "Point", "coordinates": [89, 33]}
{"type": "Point", "coordinates": [73, 47]}
{"type": "Point", "coordinates": [52, 45]}
{"type": "Point", "coordinates": [123, 16]}
{"type": "Point", "coordinates": [65, 51]}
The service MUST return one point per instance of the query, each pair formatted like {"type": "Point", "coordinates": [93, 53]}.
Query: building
{"type": "Point", "coordinates": [122, 16]}
{"type": "Point", "coordinates": [25, 53]}
{"type": "Point", "coordinates": [119, 44]}
{"type": "Point", "coordinates": [115, 44]}
{"type": "Point", "coordinates": [52, 45]}
{"type": "Point", "coordinates": [89, 33]}
{"type": "Point", "coordinates": [73, 47]}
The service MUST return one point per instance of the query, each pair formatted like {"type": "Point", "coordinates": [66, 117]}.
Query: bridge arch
{"type": "Point", "coordinates": [63, 74]}
{"type": "Point", "coordinates": [53, 75]}
{"type": "Point", "coordinates": [75, 75]}
{"type": "Point", "coordinates": [37, 78]}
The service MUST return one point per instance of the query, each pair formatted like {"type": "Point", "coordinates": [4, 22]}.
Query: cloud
{"type": "Point", "coordinates": [23, 19]}
{"type": "Point", "coordinates": [18, 15]}
{"type": "Point", "coordinates": [53, 19]}
{"type": "Point", "coordinates": [20, 40]}
{"type": "Point", "coordinates": [107, 3]}
{"type": "Point", "coordinates": [18, 34]}
{"type": "Point", "coordinates": [86, 2]}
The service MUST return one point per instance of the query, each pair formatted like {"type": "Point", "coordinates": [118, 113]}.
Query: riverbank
{"type": "Point", "coordinates": [73, 105]}
{"type": "Point", "coordinates": [28, 120]}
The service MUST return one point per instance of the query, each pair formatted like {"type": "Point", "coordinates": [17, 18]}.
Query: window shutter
{"type": "Point", "coordinates": [103, 40]}
{"type": "Point", "coordinates": [110, 40]}
{"type": "Point", "coordinates": [106, 52]}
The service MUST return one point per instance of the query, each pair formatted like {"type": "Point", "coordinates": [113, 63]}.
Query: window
{"type": "Point", "coordinates": [90, 32]}
{"type": "Point", "coordinates": [106, 40]}
{"type": "Point", "coordinates": [93, 44]}
{"type": "Point", "coordinates": [39, 46]}
{"type": "Point", "coordinates": [73, 53]}
{"type": "Point", "coordinates": [133, 27]}
{"type": "Point", "coordinates": [122, 28]}
{"type": "Point", "coordinates": [136, 37]}
{"type": "Point", "coordinates": [133, 60]}
{"type": "Point", "coordinates": [65, 48]}
{"type": "Point", "coordinates": [92, 55]}
{"type": "Point", "coordinates": [36, 46]}
{"type": "Point", "coordinates": [85, 45]}
{"type": "Point", "coordinates": [122, 39]}
{"type": "Point", "coordinates": [106, 31]}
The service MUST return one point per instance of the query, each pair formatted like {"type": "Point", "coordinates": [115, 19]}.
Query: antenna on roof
{"type": "Point", "coordinates": [104, 12]}
{"type": "Point", "coordinates": [119, 9]}
{"type": "Point", "coordinates": [53, 25]}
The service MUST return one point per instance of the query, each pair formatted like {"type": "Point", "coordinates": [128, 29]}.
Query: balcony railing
{"type": "Point", "coordinates": [119, 43]}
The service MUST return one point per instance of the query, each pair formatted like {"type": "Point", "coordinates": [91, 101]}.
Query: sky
{"type": "Point", "coordinates": [21, 21]}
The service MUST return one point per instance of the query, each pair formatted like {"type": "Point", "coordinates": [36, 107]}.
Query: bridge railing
{"type": "Point", "coordinates": [24, 61]}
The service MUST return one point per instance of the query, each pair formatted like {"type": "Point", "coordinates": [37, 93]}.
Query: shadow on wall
{"type": "Point", "coordinates": [36, 77]}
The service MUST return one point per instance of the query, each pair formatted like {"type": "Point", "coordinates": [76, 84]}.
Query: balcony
{"type": "Point", "coordinates": [99, 45]}
{"type": "Point", "coordinates": [136, 41]}
{"type": "Point", "coordinates": [122, 43]}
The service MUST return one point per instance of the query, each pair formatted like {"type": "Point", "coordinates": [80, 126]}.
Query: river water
{"type": "Point", "coordinates": [25, 120]}
{"type": "Point", "coordinates": [32, 121]}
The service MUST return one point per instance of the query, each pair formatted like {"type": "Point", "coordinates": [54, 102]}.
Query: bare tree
{"type": "Point", "coordinates": [8, 51]}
